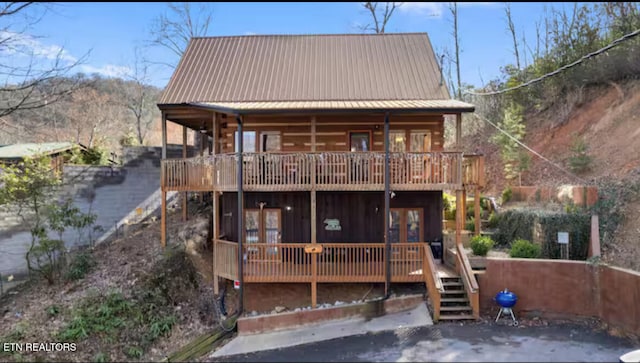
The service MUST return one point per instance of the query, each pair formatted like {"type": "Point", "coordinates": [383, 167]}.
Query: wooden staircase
{"type": "Point", "coordinates": [454, 303]}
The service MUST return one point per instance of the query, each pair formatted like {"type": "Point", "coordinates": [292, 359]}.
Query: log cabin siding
{"type": "Point", "coordinates": [331, 130]}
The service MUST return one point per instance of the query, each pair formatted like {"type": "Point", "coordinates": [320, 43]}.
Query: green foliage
{"type": "Point", "coordinates": [101, 358]}
{"type": "Point", "coordinates": [580, 160]}
{"type": "Point", "coordinates": [134, 352]}
{"type": "Point", "coordinates": [493, 220]}
{"type": "Point", "coordinates": [522, 248]}
{"type": "Point", "coordinates": [52, 310]}
{"type": "Point", "coordinates": [514, 158]}
{"type": "Point", "coordinates": [129, 139]}
{"type": "Point", "coordinates": [480, 245]}
{"type": "Point", "coordinates": [506, 195]}
{"type": "Point", "coordinates": [448, 202]}
{"type": "Point", "coordinates": [470, 224]}
{"type": "Point", "coordinates": [96, 155]}
{"type": "Point", "coordinates": [136, 322]}
{"type": "Point", "coordinates": [81, 264]}
{"type": "Point", "coordinates": [47, 258]}
{"type": "Point", "coordinates": [516, 224]}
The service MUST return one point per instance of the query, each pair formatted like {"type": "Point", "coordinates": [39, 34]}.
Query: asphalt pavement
{"type": "Point", "coordinates": [454, 342]}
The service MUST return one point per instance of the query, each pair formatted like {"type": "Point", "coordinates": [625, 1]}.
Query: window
{"type": "Point", "coordinates": [420, 141]}
{"type": "Point", "coordinates": [249, 141]}
{"type": "Point", "coordinates": [270, 141]}
{"type": "Point", "coordinates": [397, 141]}
{"type": "Point", "coordinates": [406, 225]}
{"type": "Point", "coordinates": [359, 141]}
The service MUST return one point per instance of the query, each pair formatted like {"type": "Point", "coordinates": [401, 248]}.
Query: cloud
{"type": "Point", "coordinates": [109, 70]}
{"type": "Point", "coordinates": [24, 44]}
{"type": "Point", "coordinates": [17, 45]}
{"type": "Point", "coordinates": [250, 33]}
{"type": "Point", "coordinates": [436, 9]}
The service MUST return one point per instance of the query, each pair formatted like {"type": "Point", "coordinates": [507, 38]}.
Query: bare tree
{"type": "Point", "coordinates": [512, 30]}
{"type": "Point", "coordinates": [453, 8]}
{"type": "Point", "coordinates": [380, 15]}
{"type": "Point", "coordinates": [174, 32]}
{"type": "Point", "coordinates": [29, 79]}
{"type": "Point", "coordinates": [138, 98]}
{"type": "Point", "coordinates": [92, 113]}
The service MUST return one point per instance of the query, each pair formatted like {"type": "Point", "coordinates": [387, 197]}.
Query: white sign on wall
{"type": "Point", "coordinates": [563, 238]}
{"type": "Point", "coordinates": [332, 225]}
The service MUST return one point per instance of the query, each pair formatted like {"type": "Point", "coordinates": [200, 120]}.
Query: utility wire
{"type": "Point", "coordinates": [535, 80]}
{"type": "Point", "coordinates": [533, 151]}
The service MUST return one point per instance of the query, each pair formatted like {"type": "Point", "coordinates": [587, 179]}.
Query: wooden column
{"type": "Point", "coordinates": [184, 156]}
{"type": "Point", "coordinates": [464, 207]}
{"type": "Point", "coordinates": [314, 256]}
{"type": "Point", "coordinates": [476, 210]}
{"type": "Point", "coordinates": [459, 132]}
{"type": "Point", "coordinates": [459, 217]}
{"type": "Point", "coordinates": [214, 210]}
{"type": "Point", "coordinates": [163, 207]}
{"type": "Point", "coordinates": [240, 211]}
{"type": "Point", "coordinates": [387, 206]}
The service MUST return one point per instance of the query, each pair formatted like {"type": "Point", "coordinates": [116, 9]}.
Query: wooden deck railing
{"type": "Point", "coordinates": [191, 174]}
{"type": "Point", "coordinates": [337, 262]}
{"type": "Point", "coordinates": [322, 171]}
{"type": "Point", "coordinates": [473, 170]}
{"type": "Point", "coordinates": [226, 264]}
{"type": "Point", "coordinates": [469, 280]}
{"type": "Point", "coordinates": [432, 280]}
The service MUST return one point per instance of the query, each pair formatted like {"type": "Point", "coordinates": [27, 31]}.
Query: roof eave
{"type": "Point", "coordinates": [270, 111]}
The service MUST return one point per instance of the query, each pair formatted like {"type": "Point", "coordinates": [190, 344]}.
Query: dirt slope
{"type": "Point", "coordinates": [607, 118]}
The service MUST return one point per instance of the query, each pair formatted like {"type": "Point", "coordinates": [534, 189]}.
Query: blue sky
{"type": "Point", "coordinates": [111, 31]}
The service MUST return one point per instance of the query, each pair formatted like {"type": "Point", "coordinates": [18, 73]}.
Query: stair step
{"type": "Point", "coordinates": [455, 308]}
{"type": "Point", "coordinates": [451, 283]}
{"type": "Point", "coordinates": [454, 299]}
{"type": "Point", "coordinates": [457, 317]}
{"type": "Point", "coordinates": [453, 292]}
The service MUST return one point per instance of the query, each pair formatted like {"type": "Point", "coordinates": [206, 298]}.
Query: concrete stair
{"type": "Point", "coordinates": [454, 303]}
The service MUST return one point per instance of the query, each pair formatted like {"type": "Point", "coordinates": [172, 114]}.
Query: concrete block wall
{"type": "Point", "coordinates": [117, 194]}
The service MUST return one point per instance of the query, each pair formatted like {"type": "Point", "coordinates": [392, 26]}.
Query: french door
{"type": "Point", "coordinates": [263, 226]}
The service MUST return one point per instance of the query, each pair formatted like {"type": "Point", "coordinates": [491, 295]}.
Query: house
{"type": "Point", "coordinates": [57, 151]}
{"type": "Point", "coordinates": [327, 160]}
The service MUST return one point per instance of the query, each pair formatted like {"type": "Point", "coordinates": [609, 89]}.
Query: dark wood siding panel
{"type": "Point", "coordinates": [295, 221]}
{"type": "Point", "coordinates": [361, 216]}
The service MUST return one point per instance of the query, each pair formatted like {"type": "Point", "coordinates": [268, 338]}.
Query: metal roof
{"type": "Point", "coordinates": [290, 68]}
{"type": "Point", "coordinates": [18, 151]}
{"type": "Point", "coordinates": [408, 105]}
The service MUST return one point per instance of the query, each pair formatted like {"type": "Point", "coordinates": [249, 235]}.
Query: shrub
{"type": "Point", "coordinates": [480, 245]}
{"type": "Point", "coordinates": [506, 195]}
{"type": "Point", "coordinates": [580, 160]}
{"type": "Point", "coordinates": [521, 248]}
{"type": "Point", "coordinates": [494, 219]}
{"type": "Point", "coordinates": [470, 224]}
{"type": "Point", "coordinates": [81, 265]}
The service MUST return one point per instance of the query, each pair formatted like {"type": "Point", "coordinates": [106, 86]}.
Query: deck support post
{"type": "Point", "coordinates": [459, 216]}
{"type": "Point", "coordinates": [214, 208]}
{"type": "Point", "coordinates": [476, 210]}
{"type": "Point", "coordinates": [163, 212]}
{"type": "Point", "coordinates": [314, 240]}
{"type": "Point", "coordinates": [185, 215]}
{"type": "Point", "coordinates": [387, 206]}
{"type": "Point", "coordinates": [459, 132]}
{"type": "Point", "coordinates": [239, 167]}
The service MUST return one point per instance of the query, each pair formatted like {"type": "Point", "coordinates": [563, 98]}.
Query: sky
{"type": "Point", "coordinates": [105, 35]}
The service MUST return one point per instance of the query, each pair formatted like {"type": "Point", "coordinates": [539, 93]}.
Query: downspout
{"type": "Point", "coordinates": [387, 202]}
{"type": "Point", "coordinates": [239, 167]}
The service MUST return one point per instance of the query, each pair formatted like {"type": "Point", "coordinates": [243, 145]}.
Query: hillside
{"type": "Point", "coordinates": [607, 119]}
